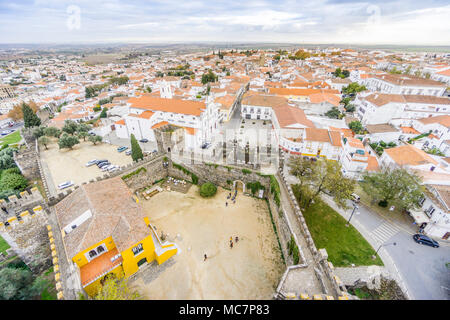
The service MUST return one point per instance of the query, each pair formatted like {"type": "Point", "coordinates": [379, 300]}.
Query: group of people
{"type": "Point", "coordinates": [236, 240]}
{"type": "Point", "coordinates": [233, 198]}
{"type": "Point", "coordinates": [231, 241]}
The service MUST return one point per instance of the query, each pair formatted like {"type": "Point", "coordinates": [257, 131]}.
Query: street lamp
{"type": "Point", "coordinates": [382, 245]}
{"type": "Point", "coordinates": [354, 208]}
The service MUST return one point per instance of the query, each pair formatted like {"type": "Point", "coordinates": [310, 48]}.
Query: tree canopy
{"type": "Point", "coordinates": [319, 176]}
{"type": "Point", "coordinates": [19, 284]}
{"type": "Point", "coordinates": [396, 186]}
{"type": "Point", "coordinates": [67, 141]}
{"type": "Point", "coordinates": [136, 151]}
{"type": "Point", "coordinates": [30, 118]}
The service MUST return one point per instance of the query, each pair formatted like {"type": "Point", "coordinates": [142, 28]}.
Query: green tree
{"type": "Point", "coordinates": [333, 113]}
{"type": "Point", "coordinates": [13, 181]}
{"type": "Point", "coordinates": [396, 186]}
{"type": "Point", "coordinates": [326, 175]}
{"type": "Point", "coordinates": [136, 151]}
{"type": "Point", "coordinates": [302, 168]}
{"type": "Point", "coordinates": [207, 190]}
{"type": "Point", "coordinates": [82, 135]}
{"type": "Point", "coordinates": [356, 126]}
{"type": "Point", "coordinates": [83, 127]}
{"type": "Point", "coordinates": [103, 114]}
{"type": "Point", "coordinates": [95, 139]}
{"type": "Point", "coordinates": [209, 77]}
{"type": "Point", "coordinates": [353, 88]}
{"type": "Point", "coordinates": [52, 132]}
{"type": "Point", "coordinates": [70, 127]}
{"type": "Point", "coordinates": [67, 141]}
{"type": "Point", "coordinates": [114, 288]}
{"type": "Point", "coordinates": [44, 141]}
{"type": "Point", "coordinates": [38, 132]}
{"type": "Point", "coordinates": [7, 159]}
{"type": "Point", "coordinates": [350, 108]}
{"type": "Point", "coordinates": [30, 118]}
{"type": "Point", "coordinates": [19, 284]}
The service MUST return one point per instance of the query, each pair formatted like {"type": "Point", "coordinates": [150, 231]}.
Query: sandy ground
{"type": "Point", "coordinates": [250, 270]}
{"type": "Point", "coordinates": [65, 164]}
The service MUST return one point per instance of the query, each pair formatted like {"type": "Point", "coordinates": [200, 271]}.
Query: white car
{"type": "Point", "coordinates": [105, 168]}
{"type": "Point", "coordinates": [91, 162]}
{"type": "Point", "coordinates": [113, 168]}
{"type": "Point", "coordinates": [65, 185]}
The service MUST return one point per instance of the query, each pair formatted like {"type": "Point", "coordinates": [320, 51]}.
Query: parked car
{"type": "Point", "coordinates": [65, 185]}
{"type": "Point", "coordinates": [121, 149]}
{"type": "Point", "coordinates": [113, 168]}
{"type": "Point", "coordinates": [206, 145]}
{"type": "Point", "coordinates": [355, 197]}
{"type": "Point", "coordinates": [91, 162]}
{"type": "Point", "coordinates": [103, 164]}
{"type": "Point", "coordinates": [422, 239]}
{"type": "Point", "coordinates": [143, 140]}
{"type": "Point", "coordinates": [128, 152]}
{"type": "Point", "coordinates": [105, 168]}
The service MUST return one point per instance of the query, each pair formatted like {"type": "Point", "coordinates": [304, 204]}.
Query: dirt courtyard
{"type": "Point", "coordinates": [65, 164]}
{"type": "Point", "coordinates": [249, 270]}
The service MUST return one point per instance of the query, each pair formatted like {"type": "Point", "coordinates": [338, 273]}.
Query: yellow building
{"type": "Point", "coordinates": [105, 231]}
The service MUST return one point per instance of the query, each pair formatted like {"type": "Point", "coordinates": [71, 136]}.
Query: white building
{"type": "Point", "coordinates": [199, 121]}
{"type": "Point", "coordinates": [379, 108]}
{"type": "Point", "coordinates": [404, 84]}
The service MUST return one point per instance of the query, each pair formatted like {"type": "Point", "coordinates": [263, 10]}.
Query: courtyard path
{"type": "Point", "coordinates": [287, 206]}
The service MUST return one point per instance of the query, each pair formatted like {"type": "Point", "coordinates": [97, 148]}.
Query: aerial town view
{"type": "Point", "coordinates": [225, 150]}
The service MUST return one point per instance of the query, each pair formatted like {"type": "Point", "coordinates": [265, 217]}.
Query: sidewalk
{"type": "Point", "coordinates": [384, 255]}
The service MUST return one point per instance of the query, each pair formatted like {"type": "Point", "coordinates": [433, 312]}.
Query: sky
{"type": "Point", "coordinates": [406, 22]}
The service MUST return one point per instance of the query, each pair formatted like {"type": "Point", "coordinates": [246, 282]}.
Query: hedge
{"type": "Point", "coordinates": [186, 171]}
{"type": "Point", "coordinates": [142, 169]}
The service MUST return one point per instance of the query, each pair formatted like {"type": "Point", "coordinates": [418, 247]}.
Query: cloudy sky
{"type": "Point", "coordinates": [156, 21]}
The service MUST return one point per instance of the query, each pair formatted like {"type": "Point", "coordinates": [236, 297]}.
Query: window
{"type": "Point", "coordinates": [100, 249]}
{"type": "Point", "coordinates": [92, 254]}
{"type": "Point", "coordinates": [138, 249]}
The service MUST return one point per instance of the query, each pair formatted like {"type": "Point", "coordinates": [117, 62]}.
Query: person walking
{"type": "Point", "coordinates": [226, 204]}
{"type": "Point", "coordinates": [236, 239]}
{"type": "Point", "coordinates": [231, 244]}
{"type": "Point", "coordinates": [206, 257]}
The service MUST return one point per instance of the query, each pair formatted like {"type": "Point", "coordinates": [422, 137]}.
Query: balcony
{"type": "Point", "coordinates": [99, 267]}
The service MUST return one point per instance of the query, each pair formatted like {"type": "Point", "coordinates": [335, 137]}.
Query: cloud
{"type": "Point", "coordinates": [319, 21]}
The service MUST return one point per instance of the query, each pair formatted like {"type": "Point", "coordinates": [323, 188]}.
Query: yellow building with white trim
{"type": "Point", "coordinates": [105, 231]}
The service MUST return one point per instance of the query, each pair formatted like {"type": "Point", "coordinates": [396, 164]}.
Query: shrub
{"type": "Point", "coordinates": [13, 181]}
{"type": "Point", "coordinates": [383, 203]}
{"type": "Point", "coordinates": [208, 190]}
{"type": "Point", "coordinates": [246, 171]}
{"type": "Point", "coordinates": [255, 186]}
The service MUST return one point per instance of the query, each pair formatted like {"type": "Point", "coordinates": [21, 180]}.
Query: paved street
{"type": "Point", "coordinates": [421, 268]}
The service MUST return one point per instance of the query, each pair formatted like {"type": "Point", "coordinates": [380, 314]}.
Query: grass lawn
{"type": "Point", "coordinates": [12, 138]}
{"type": "Point", "coordinates": [345, 245]}
{"type": "Point", "coordinates": [3, 245]}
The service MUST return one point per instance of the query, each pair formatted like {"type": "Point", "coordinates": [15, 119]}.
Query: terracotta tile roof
{"type": "Point", "coordinates": [288, 116]}
{"type": "Point", "coordinates": [379, 128]}
{"type": "Point", "coordinates": [263, 100]}
{"type": "Point", "coordinates": [409, 155]}
{"type": "Point", "coordinates": [400, 79]}
{"type": "Point", "coordinates": [120, 122]}
{"type": "Point", "coordinates": [159, 124]}
{"type": "Point", "coordinates": [114, 213]}
{"type": "Point", "coordinates": [443, 120]}
{"type": "Point", "coordinates": [98, 266]}
{"type": "Point", "coordinates": [300, 92]}
{"type": "Point", "coordinates": [323, 135]}
{"type": "Point", "coordinates": [409, 130]}
{"type": "Point", "coordinates": [355, 143]}
{"type": "Point", "coordinates": [168, 105]}
{"type": "Point", "coordinates": [372, 164]}
{"type": "Point", "coordinates": [226, 101]}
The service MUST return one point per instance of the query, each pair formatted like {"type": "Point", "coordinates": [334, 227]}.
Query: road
{"type": "Point", "coordinates": [422, 268]}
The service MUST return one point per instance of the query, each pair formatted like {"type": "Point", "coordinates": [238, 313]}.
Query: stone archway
{"type": "Point", "coordinates": [238, 184]}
